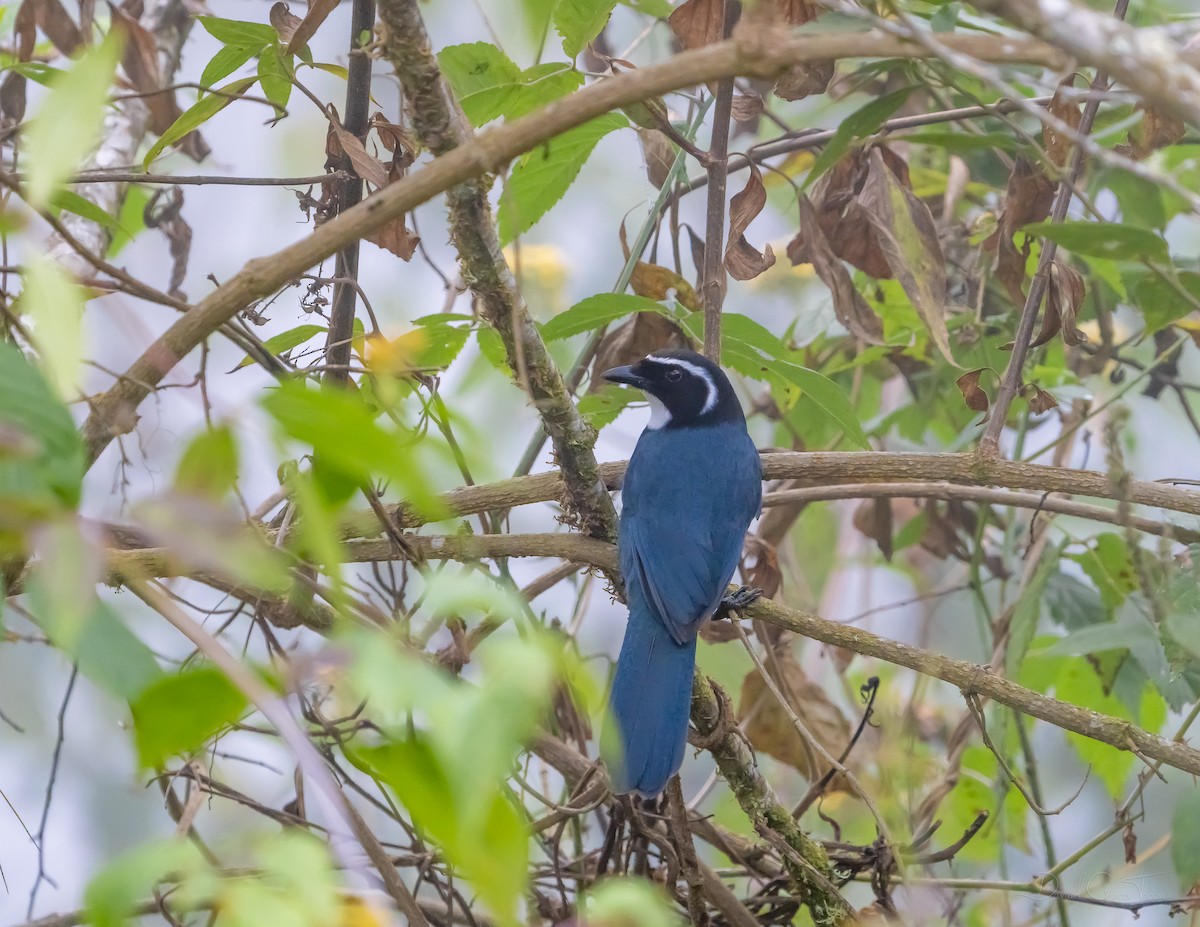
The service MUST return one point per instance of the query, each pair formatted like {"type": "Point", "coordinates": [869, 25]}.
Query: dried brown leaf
{"type": "Point", "coordinates": [396, 140]}
{"type": "Point", "coordinates": [796, 12]}
{"type": "Point", "coordinates": [284, 20]}
{"type": "Point", "coordinates": [397, 238]}
{"type": "Point", "coordinates": [908, 237]}
{"type": "Point", "coordinates": [842, 220]}
{"type": "Point", "coordinates": [811, 246]}
{"type": "Point", "coordinates": [165, 213]}
{"type": "Point", "coordinates": [632, 340]}
{"type": "Point", "coordinates": [659, 153]}
{"type": "Point", "coordinates": [25, 30]}
{"type": "Point", "coordinates": [1064, 298]}
{"type": "Point", "coordinates": [13, 88]}
{"type": "Point", "coordinates": [1157, 130]}
{"type": "Point", "coordinates": [1042, 401]}
{"type": "Point", "coordinates": [1027, 199]}
{"type": "Point", "coordinates": [366, 165]}
{"type": "Point", "coordinates": [743, 260]}
{"type": "Point", "coordinates": [1059, 145]}
{"type": "Point", "coordinates": [318, 10]}
{"type": "Point", "coordinates": [657, 282]}
{"type": "Point", "coordinates": [699, 22]}
{"type": "Point", "coordinates": [60, 29]}
{"type": "Point", "coordinates": [805, 80]}
{"type": "Point", "coordinates": [771, 730]}
{"type": "Point", "coordinates": [874, 519]}
{"type": "Point", "coordinates": [696, 245]}
{"type": "Point", "coordinates": [1129, 844]}
{"type": "Point", "coordinates": [746, 106]}
{"type": "Point", "coordinates": [972, 393]}
{"type": "Point", "coordinates": [760, 566]}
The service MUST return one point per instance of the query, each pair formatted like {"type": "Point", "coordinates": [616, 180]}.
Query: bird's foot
{"type": "Point", "coordinates": [740, 599]}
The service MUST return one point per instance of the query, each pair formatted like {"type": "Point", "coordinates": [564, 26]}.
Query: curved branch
{"type": "Point", "coordinates": [752, 55]}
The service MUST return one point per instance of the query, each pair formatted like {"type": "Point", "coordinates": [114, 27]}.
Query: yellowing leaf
{"type": "Point", "coordinates": [55, 304]}
{"type": "Point", "coordinates": [67, 123]}
{"type": "Point", "coordinates": [394, 356]}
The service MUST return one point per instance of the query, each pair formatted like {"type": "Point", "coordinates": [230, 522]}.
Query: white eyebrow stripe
{"type": "Point", "coordinates": [710, 401]}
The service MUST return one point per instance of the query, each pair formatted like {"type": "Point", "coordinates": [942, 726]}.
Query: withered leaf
{"type": "Point", "coordinates": [908, 237]}
{"type": "Point", "coordinates": [14, 86]}
{"type": "Point", "coordinates": [743, 260]}
{"type": "Point", "coordinates": [796, 12]}
{"type": "Point", "coordinates": [699, 22]}
{"type": "Point", "coordinates": [760, 566]}
{"type": "Point", "coordinates": [25, 30]}
{"type": "Point", "coordinates": [810, 246]}
{"type": "Point", "coordinates": [1027, 199]}
{"type": "Point", "coordinates": [397, 238]}
{"type": "Point", "coordinates": [771, 730]}
{"type": "Point", "coordinates": [1064, 298]}
{"type": "Point", "coordinates": [805, 80]}
{"type": "Point", "coordinates": [696, 245]}
{"type": "Point", "coordinates": [318, 10]}
{"type": "Point", "coordinates": [1157, 130]}
{"type": "Point", "coordinates": [366, 165]}
{"type": "Point", "coordinates": [1042, 401]}
{"type": "Point", "coordinates": [659, 154]}
{"type": "Point", "coordinates": [632, 340]}
{"type": "Point", "coordinates": [746, 106]}
{"type": "Point", "coordinates": [873, 519]}
{"type": "Point", "coordinates": [284, 20]}
{"type": "Point", "coordinates": [397, 141]}
{"type": "Point", "coordinates": [1059, 145]}
{"type": "Point", "coordinates": [58, 26]}
{"type": "Point", "coordinates": [972, 393]}
{"type": "Point", "coordinates": [657, 282]}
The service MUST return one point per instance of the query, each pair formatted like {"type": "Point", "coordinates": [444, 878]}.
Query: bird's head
{"type": "Point", "coordinates": [684, 389]}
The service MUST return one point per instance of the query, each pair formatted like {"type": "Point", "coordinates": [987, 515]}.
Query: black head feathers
{"type": "Point", "coordinates": [685, 389]}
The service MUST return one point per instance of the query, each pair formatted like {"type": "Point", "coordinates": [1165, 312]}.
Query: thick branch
{"type": "Point", "coordinates": [757, 56]}
{"type": "Point", "coordinates": [443, 129]}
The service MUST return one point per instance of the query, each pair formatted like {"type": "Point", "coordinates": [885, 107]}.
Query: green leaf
{"type": "Point", "coordinates": [42, 453]}
{"type": "Point", "coordinates": [112, 656]}
{"type": "Point", "coordinates": [536, 87]}
{"type": "Point", "coordinates": [542, 176]}
{"type": "Point", "coordinates": [826, 394]}
{"type": "Point", "coordinates": [604, 405]}
{"type": "Point", "coordinates": [131, 220]}
{"type": "Point", "coordinates": [67, 123]}
{"type": "Point", "coordinates": [275, 75]}
{"type": "Point", "coordinates": [598, 310]}
{"type": "Point", "coordinates": [55, 303]}
{"type": "Point", "coordinates": [960, 141]}
{"type": "Point", "coordinates": [1028, 611]}
{"type": "Point", "coordinates": [859, 124]}
{"type": "Point", "coordinates": [630, 902]}
{"type": "Point", "coordinates": [445, 338]}
{"type": "Point", "coordinates": [1103, 239]}
{"type": "Point", "coordinates": [227, 60]}
{"type": "Point", "coordinates": [73, 202]}
{"type": "Point", "coordinates": [1109, 567]}
{"type": "Point", "coordinates": [1073, 604]}
{"type": "Point", "coordinates": [113, 896]}
{"type": "Point", "coordinates": [238, 32]}
{"type": "Point", "coordinates": [659, 9]}
{"type": "Point", "coordinates": [476, 66]}
{"type": "Point", "coordinates": [207, 107]}
{"type": "Point", "coordinates": [580, 21]}
{"type": "Point", "coordinates": [178, 713]}
{"type": "Point", "coordinates": [285, 341]}
{"type": "Point", "coordinates": [1185, 839]}
{"type": "Point", "coordinates": [209, 465]}
{"type": "Point", "coordinates": [1161, 302]}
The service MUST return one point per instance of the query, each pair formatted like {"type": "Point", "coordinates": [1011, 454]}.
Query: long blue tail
{"type": "Point", "coordinates": [650, 702]}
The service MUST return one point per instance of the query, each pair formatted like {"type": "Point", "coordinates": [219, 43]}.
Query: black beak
{"type": "Point", "coordinates": [624, 375]}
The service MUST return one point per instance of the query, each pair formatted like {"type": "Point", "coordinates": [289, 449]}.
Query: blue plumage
{"type": "Point", "coordinates": [693, 486]}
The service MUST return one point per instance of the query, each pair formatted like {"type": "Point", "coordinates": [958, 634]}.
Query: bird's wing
{"type": "Point", "coordinates": [684, 561]}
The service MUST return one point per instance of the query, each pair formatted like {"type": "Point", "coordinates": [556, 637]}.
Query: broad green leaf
{"type": "Point", "coordinates": [42, 460]}
{"type": "Point", "coordinates": [275, 75]}
{"type": "Point", "coordinates": [659, 9]}
{"type": "Point", "coordinates": [444, 338]}
{"type": "Point", "coordinates": [209, 465]}
{"type": "Point", "coordinates": [535, 87]}
{"type": "Point", "coordinates": [1028, 611]}
{"type": "Point", "coordinates": [131, 220]}
{"type": "Point", "coordinates": [945, 18]}
{"type": "Point", "coordinates": [826, 394]}
{"type": "Point", "coordinates": [1159, 297]}
{"type": "Point", "coordinates": [112, 656]}
{"type": "Point", "coordinates": [1103, 239]}
{"type": "Point", "coordinates": [1185, 839]}
{"type": "Point", "coordinates": [62, 590]}
{"type": "Point", "coordinates": [285, 341]}
{"type": "Point", "coordinates": [476, 66]}
{"type": "Point", "coordinates": [238, 32]}
{"type": "Point", "coordinates": [336, 70]}
{"type": "Point", "coordinates": [630, 902]}
{"type": "Point", "coordinates": [1109, 567]}
{"type": "Point", "coordinates": [65, 127]}
{"type": "Point", "coordinates": [227, 60]}
{"type": "Point", "coordinates": [960, 141]}
{"type": "Point", "coordinates": [207, 107]}
{"type": "Point", "coordinates": [859, 124]}
{"type": "Point", "coordinates": [1073, 604]}
{"type": "Point", "coordinates": [1141, 200]}
{"type": "Point", "coordinates": [604, 405]}
{"type": "Point", "coordinates": [598, 310]}
{"type": "Point", "coordinates": [580, 21]}
{"type": "Point", "coordinates": [55, 303]}
{"type": "Point", "coordinates": [114, 894]}
{"type": "Point", "coordinates": [73, 202]}
{"type": "Point", "coordinates": [541, 177]}
{"type": "Point", "coordinates": [178, 713]}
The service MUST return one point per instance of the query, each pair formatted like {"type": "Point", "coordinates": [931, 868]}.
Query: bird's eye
{"type": "Point", "coordinates": [674, 375]}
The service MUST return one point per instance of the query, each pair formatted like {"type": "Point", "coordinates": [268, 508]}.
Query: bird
{"type": "Point", "coordinates": [691, 490]}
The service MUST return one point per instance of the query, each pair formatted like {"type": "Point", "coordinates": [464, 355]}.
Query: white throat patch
{"type": "Point", "coordinates": [660, 415]}
{"type": "Point", "coordinates": [710, 400]}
